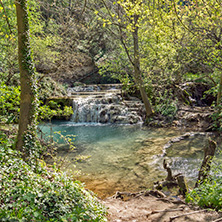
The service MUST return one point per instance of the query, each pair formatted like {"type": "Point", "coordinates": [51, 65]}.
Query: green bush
{"type": "Point", "coordinates": [9, 103]}
{"type": "Point", "coordinates": [50, 88]}
{"type": "Point", "coordinates": [54, 109]}
{"type": "Point", "coordinates": [166, 105]}
{"type": "Point", "coordinates": [44, 195]}
{"type": "Point", "coordinates": [217, 118]}
{"type": "Point", "coordinates": [207, 195]}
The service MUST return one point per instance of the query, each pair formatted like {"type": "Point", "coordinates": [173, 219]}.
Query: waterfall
{"type": "Point", "coordinates": [92, 105]}
{"type": "Point", "coordinates": [86, 110]}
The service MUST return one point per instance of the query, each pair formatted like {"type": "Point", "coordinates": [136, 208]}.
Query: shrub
{"type": "Point", "coordinates": [9, 103]}
{"type": "Point", "coordinates": [166, 105]}
{"type": "Point", "coordinates": [216, 117]}
{"type": "Point", "coordinates": [54, 110]}
{"type": "Point", "coordinates": [207, 195]}
{"type": "Point", "coordinates": [44, 195]}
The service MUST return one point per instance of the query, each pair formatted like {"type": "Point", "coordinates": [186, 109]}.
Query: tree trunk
{"type": "Point", "coordinates": [183, 188]}
{"type": "Point", "coordinates": [219, 90]}
{"type": "Point", "coordinates": [27, 117]}
{"type": "Point", "coordinates": [137, 73]}
{"type": "Point", "coordinates": [209, 152]}
{"type": "Point", "coordinates": [169, 171]}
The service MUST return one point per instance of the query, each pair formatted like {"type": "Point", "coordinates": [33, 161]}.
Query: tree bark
{"type": "Point", "coordinates": [209, 152]}
{"type": "Point", "coordinates": [183, 188]}
{"type": "Point", "coordinates": [219, 90]}
{"type": "Point", "coordinates": [28, 96]}
{"type": "Point", "coordinates": [169, 171]}
{"type": "Point", "coordinates": [137, 72]}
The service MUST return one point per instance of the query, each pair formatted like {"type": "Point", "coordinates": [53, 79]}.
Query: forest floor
{"type": "Point", "coordinates": [150, 208]}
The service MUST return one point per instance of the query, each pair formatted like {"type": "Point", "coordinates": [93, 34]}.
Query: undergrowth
{"type": "Point", "coordinates": [10, 106]}
{"type": "Point", "coordinates": [207, 195]}
{"type": "Point", "coordinates": [45, 194]}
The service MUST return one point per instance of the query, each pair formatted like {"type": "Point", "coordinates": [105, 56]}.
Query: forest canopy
{"type": "Point", "coordinates": [166, 53]}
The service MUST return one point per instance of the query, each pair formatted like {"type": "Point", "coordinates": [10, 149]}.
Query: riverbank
{"type": "Point", "coordinates": [143, 207]}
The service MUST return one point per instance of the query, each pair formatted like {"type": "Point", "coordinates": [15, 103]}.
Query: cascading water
{"type": "Point", "coordinates": [93, 105]}
{"type": "Point", "coordinates": [85, 110]}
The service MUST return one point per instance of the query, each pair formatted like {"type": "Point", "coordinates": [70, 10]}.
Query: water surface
{"type": "Point", "coordinates": [126, 157]}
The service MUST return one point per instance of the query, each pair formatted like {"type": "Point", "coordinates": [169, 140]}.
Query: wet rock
{"type": "Point", "coordinates": [106, 107]}
{"type": "Point", "coordinates": [198, 118]}
{"type": "Point", "coordinates": [104, 119]}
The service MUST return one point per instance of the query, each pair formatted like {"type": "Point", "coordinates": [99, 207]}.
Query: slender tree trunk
{"type": "Point", "coordinates": [28, 98]}
{"type": "Point", "coordinates": [137, 73]}
{"type": "Point", "coordinates": [219, 90]}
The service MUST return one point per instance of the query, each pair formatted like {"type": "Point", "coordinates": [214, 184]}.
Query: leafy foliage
{"type": "Point", "coordinates": [9, 103]}
{"type": "Point", "coordinates": [166, 105]}
{"type": "Point", "coordinates": [49, 88]}
{"type": "Point", "coordinates": [217, 118]}
{"type": "Point", "coordinates": [44, 195]}
{"type": "Point", "coordinates": [208, 194]}
{"type": "Point", "coordinates": [8, 57]}
{"type": "Point", "coordinates": [53, 109]}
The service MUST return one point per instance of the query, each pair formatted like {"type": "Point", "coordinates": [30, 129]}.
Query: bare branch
{"type": "Point", "coordinates": [177, 15]}
{"type": "Point", "coordinates": [84, 8]}
{"type": "Point", "coordinates": [125, 47]}
{"type": "Point", "coordinates": [6, 17]}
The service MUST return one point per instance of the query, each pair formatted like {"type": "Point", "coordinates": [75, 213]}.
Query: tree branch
{"type": "Point", "coordinates": [125, 47]}
{"type": "Point", "coordinates": [84, 8]}
{"type": "Point", "coordinates": [175, 10]}
{"type": "Point", "coordinates": [6, 17]}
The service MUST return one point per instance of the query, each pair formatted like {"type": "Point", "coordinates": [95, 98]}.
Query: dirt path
{"type": "Point", "coordinates": [149, 208]}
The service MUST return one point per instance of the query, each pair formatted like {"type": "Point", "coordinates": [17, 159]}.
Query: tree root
{"type": "Point", "coordinates": [127, 195]}
{"type": "Point", "coordinates": [218, 220]}
{"type": "Point", "coordinates": [167, 210]}
{"type": "Point", "coordinates": [186, 214]}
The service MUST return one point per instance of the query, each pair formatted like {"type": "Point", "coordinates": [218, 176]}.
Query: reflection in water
{"type": "Point", "coordinates": [126, 157]}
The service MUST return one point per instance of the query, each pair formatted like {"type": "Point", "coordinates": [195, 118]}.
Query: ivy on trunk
{"type": "Point", "coordinates": [27, 119]}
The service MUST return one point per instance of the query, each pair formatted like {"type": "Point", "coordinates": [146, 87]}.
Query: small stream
{"type": "Point", "coordinates": [126, 157]}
